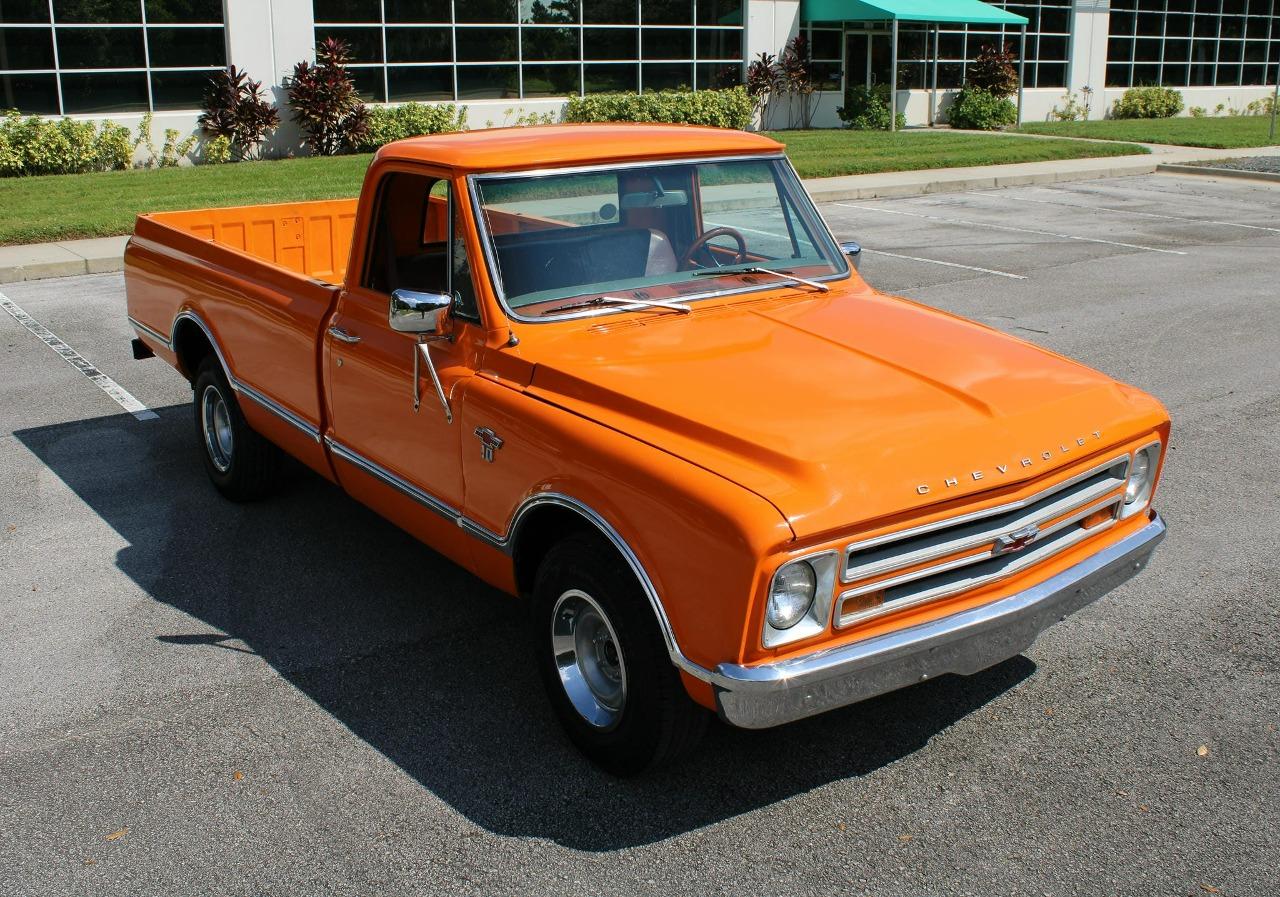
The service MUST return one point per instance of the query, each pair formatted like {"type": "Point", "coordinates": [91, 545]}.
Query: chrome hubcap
{"type": "Point", "coordinates": [591, 666]}
{"type": "Point", "coordinates": [215, 419]}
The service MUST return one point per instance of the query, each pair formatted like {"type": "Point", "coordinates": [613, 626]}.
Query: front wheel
{"type": "Point", "coordinates": [242, 464]}
{"type": "Point", "coordinates": [605, 664]}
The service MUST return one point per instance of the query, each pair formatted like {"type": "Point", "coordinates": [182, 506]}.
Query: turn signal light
{"type": "Point", "coordinates": [1097, 517]}
{"type": "Point", "coordinates": [869, 601]}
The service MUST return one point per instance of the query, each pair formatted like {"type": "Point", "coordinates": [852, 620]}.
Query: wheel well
{"type": "Point", "coordinates": [539, 531]}
{"type": "Point", "coordinates": [191, 345]}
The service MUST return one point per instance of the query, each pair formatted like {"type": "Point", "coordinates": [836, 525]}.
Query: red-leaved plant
{"type": "Point", "coordinates": [235, 109]}
{"type": "Point", "coordinates": [325, 102]}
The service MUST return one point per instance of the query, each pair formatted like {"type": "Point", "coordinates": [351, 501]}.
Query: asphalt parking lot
{"type": "Point", "coordinates": [293, 698]}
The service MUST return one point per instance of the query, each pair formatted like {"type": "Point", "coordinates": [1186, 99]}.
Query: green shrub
{"type": "Point", "coordinates": [978, 110]}
{"type": "Point", "coordinates": [217, 150]}
{"type": "Point", "coordinates": [390, 123]}
{"type": "Point", "coordinates": [731, 108]}
{"type": "Point", "coordinates": [1148, 102]}
{"type": "Point", "coordinates": [31, 145]}
{"type": "Point", "coordinates": [867, 109]}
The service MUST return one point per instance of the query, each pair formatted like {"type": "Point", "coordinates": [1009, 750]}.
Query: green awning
{"type": "Point", "coordinates": [972, 12]}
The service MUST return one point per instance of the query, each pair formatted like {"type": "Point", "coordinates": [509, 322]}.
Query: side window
{"type": "Point", "coordinates": [417, 242]}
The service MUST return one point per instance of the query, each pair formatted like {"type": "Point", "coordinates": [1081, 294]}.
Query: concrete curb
{"type": "Point", "coordinates": [37, 261]}
{"type": "Point", "coordinates": [1210, 171]}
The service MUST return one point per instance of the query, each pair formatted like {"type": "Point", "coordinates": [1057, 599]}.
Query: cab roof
{"type": "Point", "coordinates": [556, 146]}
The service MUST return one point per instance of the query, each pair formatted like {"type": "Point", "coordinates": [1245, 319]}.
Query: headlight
{"type": "Point", "coordinates": [1137, 492]}
{"type": "Point", "coordinates": [794, 587]}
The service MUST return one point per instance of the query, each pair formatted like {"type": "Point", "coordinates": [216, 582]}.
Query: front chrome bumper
{"type": "Point", "coordinates": [758, 697]}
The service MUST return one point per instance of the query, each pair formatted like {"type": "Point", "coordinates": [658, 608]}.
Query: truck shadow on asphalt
{"type": "Point", "coordinates": [428, 665]}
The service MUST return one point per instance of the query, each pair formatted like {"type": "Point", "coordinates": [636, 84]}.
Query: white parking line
{"type": "Point", "coordinates": [122, 397]}
{"type": "Point", "coordinates": [916, 258]}
{"type": "Point", "coordinates": [1006, 227]}
{"type": "Point", "coordinates": [1072, 205]}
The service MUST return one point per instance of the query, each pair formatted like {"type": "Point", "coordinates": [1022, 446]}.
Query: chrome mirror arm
{"type": "Point", "coordinates": [422, 353]}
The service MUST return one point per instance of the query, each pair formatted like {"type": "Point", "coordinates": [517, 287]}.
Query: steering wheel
{"type": "Point", "coordinates": [687, 260]}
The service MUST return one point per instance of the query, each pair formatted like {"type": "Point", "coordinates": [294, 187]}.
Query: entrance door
{"type": "Point", "coordinates": [868, 58]}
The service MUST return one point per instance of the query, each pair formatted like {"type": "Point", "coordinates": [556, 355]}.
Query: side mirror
{"type": "Point", "coordinates": [417, 312]}
{"type": "Point", "coordinates": [852, 251]}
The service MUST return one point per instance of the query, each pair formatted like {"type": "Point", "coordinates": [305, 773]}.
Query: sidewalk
{"type": "Point", "coordinates": [70, 257]}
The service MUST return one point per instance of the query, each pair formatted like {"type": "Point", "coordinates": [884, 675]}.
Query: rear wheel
{"type": "Point", "coordinates": [242, 464]}
{"type": "Point", "coordinates": [605, 664]}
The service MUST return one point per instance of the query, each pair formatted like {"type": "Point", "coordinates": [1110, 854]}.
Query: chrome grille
{"type": "Point", "coordinates": [943, 558]}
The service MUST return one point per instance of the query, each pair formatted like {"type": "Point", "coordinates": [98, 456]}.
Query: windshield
{"type": "Point", "coordinates": [666, 232]}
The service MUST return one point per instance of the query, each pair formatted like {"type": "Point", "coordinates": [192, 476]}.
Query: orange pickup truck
{"type": "Point", "coordinates": [626, 373]}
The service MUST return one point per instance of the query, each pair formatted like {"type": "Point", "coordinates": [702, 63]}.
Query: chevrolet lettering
{"type": "Point", "coordinates": [626, 375]}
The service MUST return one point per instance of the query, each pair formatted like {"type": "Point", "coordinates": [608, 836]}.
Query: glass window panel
{"type": "Point", "coordinates": [1177, 50]}
{"type": "Point", "coordinates": [1122, 24]}
{"type": "Point", "coordinates": [419, 83]}
{"type": "Point", "coordinates": [1255, 51]}
{"type": "Point", "coordinates": [552, 80]}
{"type": "Point", "coordinates": [1257, 27]}
{"type": "Point", "coordinates": [1254, 75]}
{"type": "Point", "coordinates": [1200, 75]}
{"type": "Point", "coordinates": [487, 44]}
{"type": "Point", "coordinates": [720, 12]}
{"type": "Point", "coordinates": [26, 48]}
{"type": "Point", "coordinates": [365, 44]}
{"type": "Point", "coordinates": [1234, 7]}
{"type": "Point", "coordinates": [610, 43]}
{"type": "Point", "coordinates": [1210, 7]}
{"type": "Point", "coordinates": [911, 75]}
{"type": "Point", "coordinates": [186, 47]}
{"type": "Point", "coordinates": [719, 75]}
{"type": "Point", "coordinates": [96, 12]}
{"type": "Point", "coordinates": [667, 43]}
{"type": "Point", "coordinates": [183, 12]}
{"type": "Point", "coordinates": [1228, 75]}
{"type": "Point", "coordinates": [950, 74]}
{"type": "Point", "coordinates": [610, 78]}
{"type": "Point", "coordinates": [368, 82]}
{"type": "Point", "coordinates": [1052, 48]}
{"type": "Point", "coordinates": [1173, 75]}
{"type": "Point", "coordinates": [824, 44]}
{"type": "Point", "coordinates": [1055, 20]}
{"type": "Point", "coordinates": [419, 45]}
{"type": "Point", "coordinates": [414, 11]}
{"type": "Point", "coordinates": [911, 44]}
{"type": "Point", "coordinates": [1230, 51]}
{"type": "Point", "coordinates": [29, 94]}
{"type": "Point", "coordinates": [1117, 75]}
{"type": "Point", "coordinates": [667, 76]}
{"type": "Point", "coordinates": [721, 43]}
{"type": "Point", "coordinates": [666, 12]}
{"type": "Point", "coordinates": [488, 82]}
{"type": "Point", "coordinates": [1232, 27]}
{"type": "Point", "coordinates": [950, 46]}
{"type": "Point", "coordinates": [100, 48]}
{"type": "Point", "coordinates": [1178, 26]}
{"type": "Point", "coordinates": [172, 91]}
{"type": "Point", "coordinates": [1051, 74]}
{"type": "Point", "coordinates": [1119, 49]}
{"type": "Point", "coordinates": [1203, 51]}
{"type": "Point", "coordinates": [549, 12]}
{"type": "Point", "coordinates": [497, 12]}
{"type": "Point", "coordinates": [1182, 5]}
{"type": "Point", "coordinates": [609, 12]}
{"type": "Point", "coordinates": [1146, 74]}
{"type": "Point", "coordinates": [546, 44]}
{"type": "Point", "coordinates": [1150, 24]}
{"type": "Point", "coordinates": [1146, 50]}
{"type": "Point", "coordinates": [1205, 26]}
{"type": "Point", "coordinates": [347, 11]}
{"type": "Point", "coordinates": [25, 12]}
{"type": "Point", "coordinates": [105, 92]}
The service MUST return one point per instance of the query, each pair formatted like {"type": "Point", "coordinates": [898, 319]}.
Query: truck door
{"type": "Point", "coordinates": [403, 461]}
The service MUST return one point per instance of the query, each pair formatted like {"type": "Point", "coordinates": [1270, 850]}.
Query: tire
{"type": "Point", "coordinates": [604, 662]}
{"type": "Point", "coordinates": [241, 464]}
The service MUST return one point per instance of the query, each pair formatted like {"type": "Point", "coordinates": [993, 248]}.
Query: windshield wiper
{"type": "Point", "coordinates": [626, 304]}
{"type": "Point", "coordinates": [756, 269]}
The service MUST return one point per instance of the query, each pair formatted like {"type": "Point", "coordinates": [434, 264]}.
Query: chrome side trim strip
{"type": "Point", "coordinates": [154, 334]}
{"type": "Point", "coordinates": [771, 694]}
{"type": "Point", "coordinates": [395, 482]}
{"type": "Point", "coordinates": [240, 386]}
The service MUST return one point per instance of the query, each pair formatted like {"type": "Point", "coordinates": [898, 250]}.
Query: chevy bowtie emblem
{"type": "Point", "coordinates": [1016, 540]}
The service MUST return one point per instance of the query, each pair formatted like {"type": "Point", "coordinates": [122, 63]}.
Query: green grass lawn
{"type": "Point", "coordinates": [820, 154]}
{"type": "Point", "coordinates": [100, 205]}
{"type": "Point", "coordinates": [1222, 133]}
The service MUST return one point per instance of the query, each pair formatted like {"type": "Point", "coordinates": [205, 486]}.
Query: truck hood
{"type": "Point", "coordinates": [840, 408]}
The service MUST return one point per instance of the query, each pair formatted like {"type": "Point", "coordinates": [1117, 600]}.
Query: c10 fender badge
{"type": "Point", "coordinates": [1000, 470]}
{"type": "Point", "coordinates": [490, 442]}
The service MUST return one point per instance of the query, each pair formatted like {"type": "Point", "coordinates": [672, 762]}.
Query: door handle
{"type": "Point", "coordinates": [339, 334]}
